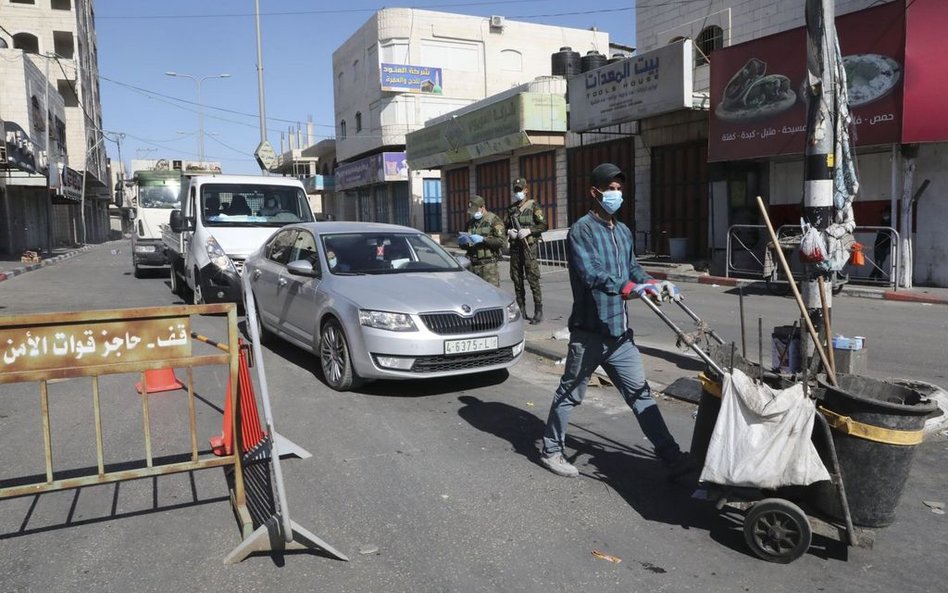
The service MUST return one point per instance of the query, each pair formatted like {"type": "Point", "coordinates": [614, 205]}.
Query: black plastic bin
{"type": "Point", "coordinates": [876, 427]}
{"type": "Point", "coordinates": [708, 408]}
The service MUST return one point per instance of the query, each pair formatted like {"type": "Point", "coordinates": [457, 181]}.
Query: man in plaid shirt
{"type": "Point", "coordinates": [604, 274]}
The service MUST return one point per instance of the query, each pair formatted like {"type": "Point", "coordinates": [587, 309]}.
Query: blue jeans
{"type": "Point", "coordinates": [622, 362]}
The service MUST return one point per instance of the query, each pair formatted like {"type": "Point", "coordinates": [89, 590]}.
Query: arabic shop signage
{"type": "Point", "coordinates": [68, 184]}
{"type": "Point", "coordinates": [758, 88]}
{"type": "Point", "coordinates": [52, 347]}
{"type": "Point", "coordinates": [378, 168]}
{"type": "Point", "coordinates": [21, 152]}
{"type": "Point", "coordinates": [492, 129]}
{"type": "Point", "coordinates": [405, 78]}
{"type": "Point", "coordinates": [650, 84]}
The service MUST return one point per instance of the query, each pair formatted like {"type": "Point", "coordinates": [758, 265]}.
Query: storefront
{"type": "Point", "coordinates": [482, 148]}
{"type": "Point", "coordinates": [896, 92]}
{"type": "Point", "coordinates": [375, 189]}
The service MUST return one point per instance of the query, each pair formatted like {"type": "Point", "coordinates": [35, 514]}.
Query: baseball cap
{"type": "Point", "coordinates": [603, 175]}
{"type": "Point", "coordinates": [520, 182]}
{"type": "Point", "coordinates": [475, 203]}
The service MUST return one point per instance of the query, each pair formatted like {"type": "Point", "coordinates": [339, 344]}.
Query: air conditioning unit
{"type": "Point", "coordinates": [497, 22]}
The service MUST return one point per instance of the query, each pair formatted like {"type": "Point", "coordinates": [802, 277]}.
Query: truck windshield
{"type": "Point", "coordinates": [245, 204]}
{"type": "Point", "coordinates": [163, 196]}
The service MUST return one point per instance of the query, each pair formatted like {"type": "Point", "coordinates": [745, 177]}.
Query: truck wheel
{"type": "Point", "coordinates": [175, 280]}
{"type": "Point", "coordinates": [197, 294]}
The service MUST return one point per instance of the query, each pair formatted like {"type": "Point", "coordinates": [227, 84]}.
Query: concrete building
{"type": "Point", "coordinates": [711, 166]}
{"type": "Point", "coordinates": [53, 40]}
{"type": "Point", "coordinates": [312, 163]}
{"type": "Point", "coordinates": [404, 67]}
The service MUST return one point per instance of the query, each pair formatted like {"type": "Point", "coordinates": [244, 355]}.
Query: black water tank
{"type": "Point", "coordinates": [616, 58]}
{"type": "Point", "coordinates": [592, 60]}
{"type": "Point", "coordinates": [566, 62]}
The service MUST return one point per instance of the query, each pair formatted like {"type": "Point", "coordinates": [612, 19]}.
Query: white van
{"type": "Point", "coordinates": [222, 220]}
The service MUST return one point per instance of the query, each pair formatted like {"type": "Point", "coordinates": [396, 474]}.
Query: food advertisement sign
{"type": "Point", "coordinates": [759, 94]}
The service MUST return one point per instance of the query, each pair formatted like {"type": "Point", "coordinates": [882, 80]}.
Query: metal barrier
{"type": "Point", "coordinates": [53, 346]}
{"type": "Point", "coordinates": [552, 251]}
{"type": "Point", "coordinates": [752, 253]}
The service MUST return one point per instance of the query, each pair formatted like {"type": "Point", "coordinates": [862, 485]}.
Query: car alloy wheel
{"type": "Point", "coordinates": [334, 357]}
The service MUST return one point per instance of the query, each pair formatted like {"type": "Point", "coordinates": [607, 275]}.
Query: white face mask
{"type": "Point", "coordinates": [332, 262]}
{"type": "Point", "coordinates": [519, 196]}
{"type": "Point", "coordinates": [611, 200]}
{"type": "Point", "coordinates": [478, 215]}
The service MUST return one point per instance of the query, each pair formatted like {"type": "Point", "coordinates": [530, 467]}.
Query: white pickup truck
{"type": "Point", "coordinates": [222, 220]}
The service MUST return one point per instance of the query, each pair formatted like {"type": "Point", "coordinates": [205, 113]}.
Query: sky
{"type": "Point", "coordinates": [139, 41]}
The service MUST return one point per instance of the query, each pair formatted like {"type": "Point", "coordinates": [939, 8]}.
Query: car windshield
{"type": "Point", "coordinates": [385, 253]}
{"type": "Point", "coordinates": [248, 204]}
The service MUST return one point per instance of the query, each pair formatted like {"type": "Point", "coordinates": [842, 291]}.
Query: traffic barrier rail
{"type": "Point", "coordinates": [51, 346]}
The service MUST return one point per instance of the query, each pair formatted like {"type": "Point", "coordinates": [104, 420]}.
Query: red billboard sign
{"type": "Point", "coordinates": [758, 102]}
{"type": "Point", "coordinates": [926, 83]}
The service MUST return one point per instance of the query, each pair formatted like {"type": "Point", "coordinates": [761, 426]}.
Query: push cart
{"type": "Point", "coordinates": [776, 528]}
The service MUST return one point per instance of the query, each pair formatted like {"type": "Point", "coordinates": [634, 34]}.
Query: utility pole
{"type": "Point", "coordinates": [820, 154]}
{"type": "Point", "coordinates": [265, 155]}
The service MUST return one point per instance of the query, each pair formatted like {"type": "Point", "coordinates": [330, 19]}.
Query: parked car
{"type": "Point", "coordinates": [380, 301]}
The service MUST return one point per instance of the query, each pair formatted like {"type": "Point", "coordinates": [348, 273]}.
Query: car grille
{"type": "Point", "coordinates": [459, 362]}
{"type": "Point", "coordinates": [239, 264]}
{"type": "Point", "coordinates": [452, 323]}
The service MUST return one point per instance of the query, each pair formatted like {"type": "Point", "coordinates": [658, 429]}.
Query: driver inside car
{"type": "Point", "coordinates": [271, 205]}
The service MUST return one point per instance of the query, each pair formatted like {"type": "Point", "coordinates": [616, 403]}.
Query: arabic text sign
{"type": "Point", "coordinates": [405, 78]}
{"type": "Point", "coordinates": [50, 347]}
{"type": "Point", "coordinates": [650, 84]}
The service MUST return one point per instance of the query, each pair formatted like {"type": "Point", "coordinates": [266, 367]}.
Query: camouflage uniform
{"type": "Point", "coordinates": [524, 253]}
{"type": "Point", "coordinates": [484, 255]}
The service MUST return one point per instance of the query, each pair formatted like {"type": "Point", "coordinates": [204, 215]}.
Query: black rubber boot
{"type": "Point", "coordinates": [523, 310]}
{"type": "Point", "coordinates": [537, 315]}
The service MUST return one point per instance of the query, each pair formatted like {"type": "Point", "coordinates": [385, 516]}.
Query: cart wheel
{"type": "Point", "coordinates": [777, 530]}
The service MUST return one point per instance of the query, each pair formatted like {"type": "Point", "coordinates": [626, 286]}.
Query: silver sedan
{"type": "Point", "coordinates": [380, 301]}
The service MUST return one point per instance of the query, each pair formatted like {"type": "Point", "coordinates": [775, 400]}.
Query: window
{"type": "Point", "coordinates": [342, 129]}
{"type": "Point", "coordinates": [511, 60]}
{"type": "Point", "coordinates": [27, 42]}
{"type": "Point", "coordinates": [304, 248]}
{"type": "Point", "coordinates": [22, 1]}
{"type": "Point", "coordinates": [394, 51]}
{"type": "Point", "coordinates": [452, 55]}
{"type": "Point", "coordinates": [358, 121]}
{"type": "Point", "coordinates": [339, 79]}
{"type": "Point", "coordinates": [61, 5]}
{"type": "Point", "coordinates": [355, 71]}
{"type": "Point", "coordinates": [63, 44]}
{"type": "Point", "coordinates": [280, 246]}
{"type": "Point", "coordinates": [710, 39]}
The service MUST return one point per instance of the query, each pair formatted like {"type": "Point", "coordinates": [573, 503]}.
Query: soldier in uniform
{"type": "Point", "coordinates": [483, 240]}
{"type": "Point", "coordinates": [525, 224]}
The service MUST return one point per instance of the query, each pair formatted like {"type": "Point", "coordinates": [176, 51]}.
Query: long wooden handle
{"type": "Point", "coordinates": [826, 325]}
{"type": "Point", "coordinates": [831, 375]}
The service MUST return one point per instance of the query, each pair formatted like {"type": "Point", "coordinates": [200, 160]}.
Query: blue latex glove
{"type": "Point", "coordinates": [669, 291]}
{"type": "Point", "coordinates": [475, 239]}
{"type": "Point", "coordinates": [464, 240]}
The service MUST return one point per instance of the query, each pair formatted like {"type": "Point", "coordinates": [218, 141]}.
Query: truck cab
{"type": "Point", "coordinates": [156, 195]}
{"type": "Point", "coordinates": [222, 220]}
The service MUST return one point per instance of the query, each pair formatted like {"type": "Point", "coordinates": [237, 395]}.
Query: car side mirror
{"type": "Point", "coordinates": [301, 267]}
{"type": "Point", "coordinates": [128, 213]}
{"type": "Point", "coordinates": [464, 261]}
{"type": "Point", "coordinates": [179, 223]}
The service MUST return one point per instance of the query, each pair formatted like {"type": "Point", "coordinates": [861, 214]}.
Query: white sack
{"type": "Point", "coordinates": [762, 437]}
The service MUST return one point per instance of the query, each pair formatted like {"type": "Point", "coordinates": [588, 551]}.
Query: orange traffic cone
{"type": "Point", "coordinates": [160, 380]}
{"type": "Point", "coordinates": [250, 429]}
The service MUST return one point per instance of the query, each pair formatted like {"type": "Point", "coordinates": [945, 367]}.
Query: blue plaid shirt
{"type": "Point", "coordinates": [601, 261]}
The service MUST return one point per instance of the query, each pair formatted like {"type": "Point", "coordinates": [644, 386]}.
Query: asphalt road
{"type": "Point", "coordinates": [426, 486]}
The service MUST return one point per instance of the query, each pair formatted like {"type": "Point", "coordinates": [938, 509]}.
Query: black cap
{"type": "Point", "coordinates": [605, 173]}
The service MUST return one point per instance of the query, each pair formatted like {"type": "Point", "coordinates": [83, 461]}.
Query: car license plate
{"type": "Point", "coordinates": [471, 345]}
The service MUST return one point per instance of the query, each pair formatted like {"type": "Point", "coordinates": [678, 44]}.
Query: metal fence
{"type": "Point", "coordinates": [747, 245]}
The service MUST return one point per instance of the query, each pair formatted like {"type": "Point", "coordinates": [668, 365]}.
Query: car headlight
{"type": "Point", "coordinates": [513, 312]}
{"type": "Point", "coordinates": [396, 322]}
{"type": "Point", "coordinates": [216, 254]}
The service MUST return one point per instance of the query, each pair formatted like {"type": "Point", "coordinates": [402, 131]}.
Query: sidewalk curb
{"type": "Point", "coordinates": [7, 274]}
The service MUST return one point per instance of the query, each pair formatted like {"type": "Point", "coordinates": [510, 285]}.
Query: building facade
{"type": "Point", "coordinates": [899, 131]}
{"type": "Point", "coordinates": [55, 41]}
{"type": "Point", "coordinates": [404, 67]}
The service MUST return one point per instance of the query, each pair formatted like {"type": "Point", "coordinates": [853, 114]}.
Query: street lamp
{"type": "Point", "coordinates": [197, 81]}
